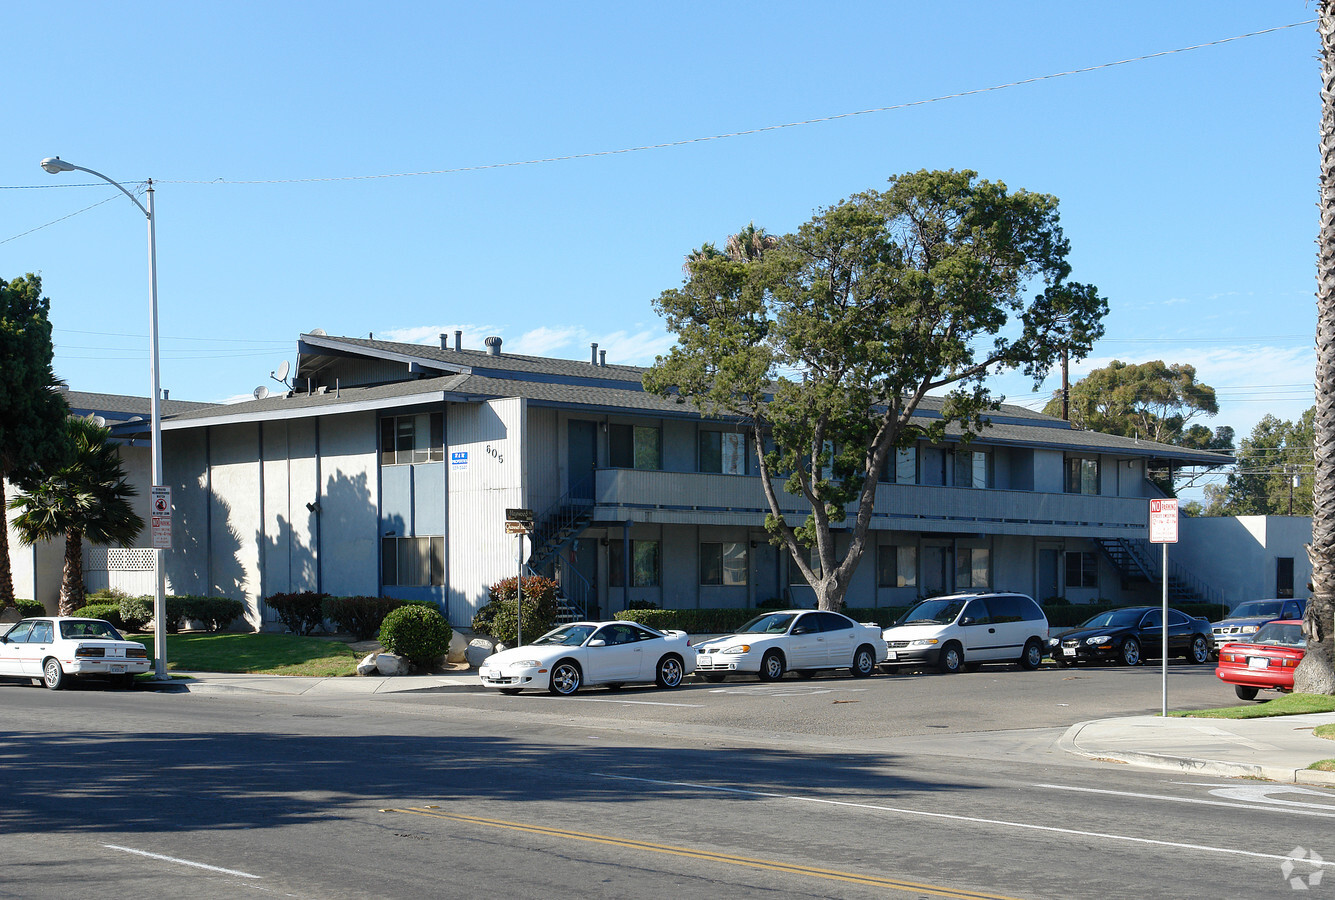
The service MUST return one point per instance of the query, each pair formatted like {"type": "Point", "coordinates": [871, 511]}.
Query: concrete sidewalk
{"type": "Point", "coordinates": [294, 685]}
{"type": "Point", "coordinates": [1278, 748]}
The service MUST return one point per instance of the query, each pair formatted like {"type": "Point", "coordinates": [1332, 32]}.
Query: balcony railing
{"type": "Point", "coordinates": [737, 499]}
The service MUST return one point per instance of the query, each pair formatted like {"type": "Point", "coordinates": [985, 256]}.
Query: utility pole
{"type": "Point", "coordinates": [1066, 384]}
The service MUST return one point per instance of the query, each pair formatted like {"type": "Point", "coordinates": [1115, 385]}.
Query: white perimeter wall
{"type": "Point", "coordinates": [1237, 555]}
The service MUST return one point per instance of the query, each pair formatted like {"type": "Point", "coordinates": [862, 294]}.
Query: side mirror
{"type": "Point", "coordinates": [968, 620]}
{"type": "Point", "coordinates": [598, 643]}
{"type": "Point", "coordinates": [801, 629]}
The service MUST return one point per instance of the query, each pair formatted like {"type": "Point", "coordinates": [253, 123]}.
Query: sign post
{"type": "Point", "coordinates": [1163, 530]}
{"type": "Point", "coordinates": [519, 522]}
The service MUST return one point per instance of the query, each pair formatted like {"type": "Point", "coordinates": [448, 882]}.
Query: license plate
{"type": "Point", "coordinates": [891, 655]}
{"type": "Point", "coordinates": [1258, 662]}
{"type": "Point", "coordinates": [1068, 651]}
{"type": "Point", "coordinates": [117, 670]}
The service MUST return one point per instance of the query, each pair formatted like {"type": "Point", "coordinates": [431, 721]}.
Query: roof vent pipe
{"type": "Point", "coordinates": [444, 341]}
{"type": "Point", "coordinates": [593, 354]}
{"type": "Point", "coordinates": [493, 346]}
{"type": "Point", "coordinates": [458, 340]}
{"type": "Point", "coordinates": [602, 357]}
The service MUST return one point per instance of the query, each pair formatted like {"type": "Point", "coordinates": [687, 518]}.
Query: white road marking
{"type": "Point", "coordinates": [183, 862]}
{"type": "Point", "coordinates": [1244, 794]}
{"type": "Point", "coordinates": [631, 702]}
{"type": "Point", "coordinates": [1026, 826]}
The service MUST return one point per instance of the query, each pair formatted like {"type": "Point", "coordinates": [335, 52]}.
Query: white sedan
{"type": "Point", "coordinates": [610, 653]}
{"type": "Point", "coordinates": [54, 649]}
{"type": "Point", "coordinates": [796, 640]}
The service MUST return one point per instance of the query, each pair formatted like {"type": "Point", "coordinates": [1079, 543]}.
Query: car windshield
{"type": "Point", "coordinates": [89, 628]}
{"type": "Point", "coordinates": [1256, 609]}
{"type": "Point", "coordinates": [771, 623]}
{"type": "Point", "coordinates": [1115, 618]}
{"type": "Point", "coordinates": [934, 612]}
{"type": "Point", "coordinates": [567, 635]}
{"type": "Point", "coordinates": [1280, 635]}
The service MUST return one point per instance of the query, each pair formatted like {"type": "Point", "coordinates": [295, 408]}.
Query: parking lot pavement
{"type": "Point", "coordinates": [1278, 748]}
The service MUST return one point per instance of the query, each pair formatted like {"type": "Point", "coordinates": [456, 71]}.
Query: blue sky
{"type": "Point", "coordinates": [1187, 182]}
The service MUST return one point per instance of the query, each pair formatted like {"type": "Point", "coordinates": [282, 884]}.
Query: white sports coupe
{"type": "Point", "coordinates": [583, 653]}
{"type": "Point", "coordinates": [795, 640]}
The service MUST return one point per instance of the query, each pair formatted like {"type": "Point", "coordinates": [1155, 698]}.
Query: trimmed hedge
{"type": "Point", "coordinates": [726, 621]}
{"type": "Point", "coordinates": [110, 612]}
{"type": "Point", "coordinates": [418, 633]}
{"type": "Point", "coordinates": [136, 612]}
{"type": "Point", "coordinates": [301, 612]}
{"type": "Point", "coordinates": [216, 613]}
{"type": "Point", "coordinates": [28, 608]}
{"type": "Point", "coordinates": [360, 616]}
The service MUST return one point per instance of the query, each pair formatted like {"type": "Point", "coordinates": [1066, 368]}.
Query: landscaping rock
{"type": "Point", "coordinates": [478, 650]}
{"type": "Point", "coordinates": [367, 666]}
{"type": "Point", "coordinates": [458, 648]}
{"type": "Point", "coordinates": [392, 664]}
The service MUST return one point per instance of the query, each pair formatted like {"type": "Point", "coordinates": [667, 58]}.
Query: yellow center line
{"type": "Point", "coordinates": [766, 864]}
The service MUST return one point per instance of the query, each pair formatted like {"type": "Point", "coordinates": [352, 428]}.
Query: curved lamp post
{"type": "Point", "coordinates": [56, 165]}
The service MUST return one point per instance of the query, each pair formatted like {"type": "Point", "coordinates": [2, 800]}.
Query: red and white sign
{"type": "Point", "coordinates": [1163, 521]}
{"type": "Point", "coordinates": [160, 505]}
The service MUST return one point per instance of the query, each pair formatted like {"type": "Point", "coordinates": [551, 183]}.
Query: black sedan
{"type": "Point", "coordinates": [1129, 635]}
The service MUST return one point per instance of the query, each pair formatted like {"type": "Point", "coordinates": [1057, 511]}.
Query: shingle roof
{"type": "Point", "coordinates": [120, 408]}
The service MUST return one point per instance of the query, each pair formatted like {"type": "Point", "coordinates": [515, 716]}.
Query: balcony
{"type": "Point", "coordinates": [702, 499]}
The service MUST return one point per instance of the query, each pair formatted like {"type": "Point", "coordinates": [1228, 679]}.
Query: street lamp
{"type": "Point", "coordinates": [56, 165]}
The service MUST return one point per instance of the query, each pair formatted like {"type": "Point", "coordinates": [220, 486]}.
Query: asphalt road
{"type": "Point", "coordinates": [913, 786]}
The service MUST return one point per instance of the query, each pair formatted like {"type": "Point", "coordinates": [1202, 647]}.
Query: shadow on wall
{"type": "Point", "coordinates": [204, 563]}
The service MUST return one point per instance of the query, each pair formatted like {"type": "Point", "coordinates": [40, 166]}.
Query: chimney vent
{"type": "Point", "coordinates": [458, 340]}
{"type": "Point", "coordinates": [444, 341]}
{"type": "Point", "coordinates": [593, 354]}
{"type": "Point", "coordinates": [602, 357]}
{"type": "Point", "coordinates": [493, 346]}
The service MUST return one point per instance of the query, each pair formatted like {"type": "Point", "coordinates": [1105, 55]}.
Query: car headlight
{"type": "Point", "coordinates": [1053, 642]}
{"type": "Point", "coordinates": [527, 663]}
{"type": "Point", "coordinates": [1249, 629]}
{"type": "Point", "coordinates": [1099, 639]}
{"type": "Point", "coordinates": [923, 642]}
{"type": "Point", "coordinates": [737, 648]}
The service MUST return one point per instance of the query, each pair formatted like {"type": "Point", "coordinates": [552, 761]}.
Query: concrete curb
{"type": "Point", "coordinates": [1069, 742]}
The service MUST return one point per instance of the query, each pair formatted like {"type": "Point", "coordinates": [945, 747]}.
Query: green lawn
{"type": "Point", "coordinates": [1287, 705]}
{"type": "Point", "coordinates": [259, 654]}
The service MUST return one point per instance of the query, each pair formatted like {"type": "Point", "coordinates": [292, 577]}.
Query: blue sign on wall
{"type": "Point", "coordinates": [458, 460]}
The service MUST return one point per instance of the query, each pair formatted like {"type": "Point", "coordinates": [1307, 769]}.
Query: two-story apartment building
{"type": "Point", "coordinates": [389, 467]}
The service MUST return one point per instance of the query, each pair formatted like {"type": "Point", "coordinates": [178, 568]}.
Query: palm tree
{"type": "Point", "coordinates": [1316, 673]}
{"type": "Point", "coordinates": [87, 497]}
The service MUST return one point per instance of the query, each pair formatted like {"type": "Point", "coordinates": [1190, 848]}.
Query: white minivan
{"type": "Point", "coordinates": [962, 631]}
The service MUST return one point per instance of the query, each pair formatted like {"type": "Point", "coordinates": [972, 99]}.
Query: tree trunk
{"type": "Point", "coordinates": [71, 577]}
{"type": "Point", "coordinates": [1316, 673]}
{"type": "Point", "coordinates": [6, 573]}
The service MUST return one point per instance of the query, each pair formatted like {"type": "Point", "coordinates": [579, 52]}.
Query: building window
{"type": "Point", "coordinates": [1082, 569]}
{"type": "Point", "coordinates": [1284, 576]}
{"type": "Point", "coordinates": [723, 452]}
{"type": "Point", "coordinates": [1082, 475]}
{"type": "Point", "coordinates": [795, 574]}
{"type": "Point", "coordinates": [971, 565]}
{"type": "Point", "coordinates": [412, 562]}
{"type": "Point", "coordinates": [643, 561]}
{"type": "Point", "coordinates": [412, 439]}
{"type": "Point", "coordinates": [902, 467]}
{"type": "Point", "coordinates": [971, 468]}
{"type": "Point", "coordinates": [723, 562]}
{"type": "Point", "coordinates": [634, 447]}
{"type": "Point", "coordinates": [896, 566]}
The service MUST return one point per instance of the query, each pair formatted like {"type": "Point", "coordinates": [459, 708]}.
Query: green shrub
{"type": "Point", "coordinates": [691, 621]}
{"type": "Point", "coordinates": [360, 616]}
{"type": "Point", "coordinates": [499, 618]}
{"type": "Point", "coordinates": [110, 612]}
{"type": "Point", "coordinates": [214, 613]}
{"type": "Point", "coordinates": [416, 632]}
{"type": "Point", "coordinates": [136, 612]}
{"type": "Point", "coordinates": [772, 603]}
{"type": "Point", "coordinates": [301, 612]}
{"type": "Point", "coordinates": [883, 616]}
{"type": "Point", "coordinates": [642, 604]}
{"type": "Point", "coordinates": [30, 608]}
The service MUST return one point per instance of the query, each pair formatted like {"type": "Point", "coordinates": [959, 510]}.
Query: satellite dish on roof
{"type": "Point", "coordinates": [318, 331]}
{"type": "Point", "coordinates": [260, 392]}
{"type": "Point", "coordinates": [281, 375]}
{"type": "Point", "coordinates": [99, 422]}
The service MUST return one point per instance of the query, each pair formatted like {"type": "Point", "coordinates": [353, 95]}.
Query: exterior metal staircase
{"type": "Point", "coordinates": [556, 529]}
{"type": "Point", "coordinates": [1140, 562]}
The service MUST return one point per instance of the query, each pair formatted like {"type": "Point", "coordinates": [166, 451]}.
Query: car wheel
{"type": "Point", "coordinates": [951, 659]}
{"type": "Point", "coordinates": [670, 672]}
{"type": "Point", "coordinates": [1244, 692]}
{"type": "Point", "coordinates": [565, 678]}
{"type": "Point", "coordinates": [511, 691]}
{"type": "Point", "coordinates": [1033, 656]}
{"type": "Point", "coordinates": [864, 663]}
{"type": "Point", "coordinates": [771, 666]}
{"type": "Point", "coordinates": [1200, 651]}
{"type": "Point", "coordinates": [805, 673]}
{"type": "Point", "coordinates": [1130, 652]}
{"type": "Point", "coordinates": [714, 679]}
{"type": "Point", "coordinates": [53, 676]}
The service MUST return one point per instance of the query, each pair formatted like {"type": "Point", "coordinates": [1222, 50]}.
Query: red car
{"type": "Point", "coordinates": [1266, 662]}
